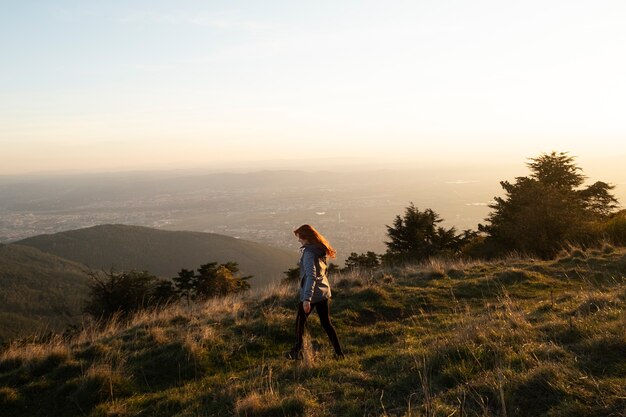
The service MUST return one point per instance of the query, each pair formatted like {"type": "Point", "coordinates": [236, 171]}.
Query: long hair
{"type": "Point", "coordinates": [311, 235]}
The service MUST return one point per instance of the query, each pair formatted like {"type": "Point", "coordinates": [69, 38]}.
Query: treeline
{"type": "Point", "coordinates": [120, 294]}
{"type": "Point", "coordinates": [538, 216]}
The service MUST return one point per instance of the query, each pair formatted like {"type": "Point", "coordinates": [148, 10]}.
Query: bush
{"type": "Point", "coordinates": [479, 247]}
{"type": "Point", "coordinates": [124, 293]}
{"type": "Point", "coordinates": [615, 228]}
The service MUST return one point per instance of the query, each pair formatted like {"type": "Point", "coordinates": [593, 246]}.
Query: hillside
{"type": "Point", "coordinates": [38, 291]}
{"type": "Point", "coordinates": [513, 337]}
{"type": "Point", "coordinates": [161, 252]}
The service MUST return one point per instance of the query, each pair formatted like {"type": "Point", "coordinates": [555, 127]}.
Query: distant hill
{"type": "Point", "coordinates": [161, 252]}
{"type": "Point", "coordinates": [38, 291]}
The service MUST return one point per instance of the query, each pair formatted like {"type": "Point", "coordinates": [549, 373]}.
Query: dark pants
{"type": "Point", "coordinates": [324, 313]}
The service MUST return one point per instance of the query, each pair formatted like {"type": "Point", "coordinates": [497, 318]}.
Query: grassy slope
{"type": "Point", "coordinates": [38, 291]}
{"type": "Point", "coordinates": [163, 252]}
{"type": "Point", "coordinates": [522, 337]}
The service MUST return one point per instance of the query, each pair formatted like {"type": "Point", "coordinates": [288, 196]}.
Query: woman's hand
{"type": "Point", "coordinates": [306, 306]}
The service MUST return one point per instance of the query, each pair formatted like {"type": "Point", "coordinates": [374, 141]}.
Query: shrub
{"type": "Point", "coordinates": [123, 293]}
{"type": "Point", "coordinates": [615, 228]}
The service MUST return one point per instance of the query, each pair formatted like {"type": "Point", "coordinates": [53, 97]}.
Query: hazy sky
{"type": "Point", "coordinates": [97, 85]}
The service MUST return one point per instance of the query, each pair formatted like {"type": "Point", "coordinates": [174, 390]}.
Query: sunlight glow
{"type": "Point", "coordinates": [107, 85]}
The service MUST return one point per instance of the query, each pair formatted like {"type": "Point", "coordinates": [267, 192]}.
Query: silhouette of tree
{"type": "Point", "coordinates": [121, 293]}
{"type": "Point", "coordinates": [184, 284]}
{"type": "Point", "coordinates": [416, 236]}
{"type": "Point", "coordinates": [205, 281]}
{"type": "Point", "coordinates": [369, 260]}
{"type": "Point", "coordinates": [164, 292]}
{"type": "Point", "coordinates": [215, 279]}
{"type": "Point", "coordinates": [615, 228]}
{"type": "Point", "coordinates": [292, 275]}
{"type": "Point", "coordinates": [541, 212]}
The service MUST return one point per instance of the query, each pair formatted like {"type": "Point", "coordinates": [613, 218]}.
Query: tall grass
{"type": "Point", "coordinates": [514, 337]}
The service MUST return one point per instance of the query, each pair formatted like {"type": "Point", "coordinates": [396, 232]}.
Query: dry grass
{"type": "Point", "coordinates": [230, 306]}
{"type": "Point", "coordinates": [595, 301]}
{"type": "Point", "coordinates": [261, 393]}
{"type": "Point", "coordinates": [34, 354]}
{"type": "Point", "coordinates": [159, 335]}
{"type": "Point", "coordinates": [355, 277]}
{"type": "Point", "coordinates": [9, 395]}
{"type": "Point", "coordinates": [440, 266]}
{"type": "Point", "coordinates": [197, 341]}
{"type": "Point", "coordinates": [255, 403]}
{"type": "Point", "coordinates": [277, 290]}
{"type": "Point", "coordinates": [514, 337]}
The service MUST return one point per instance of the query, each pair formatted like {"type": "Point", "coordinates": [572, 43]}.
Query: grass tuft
{"type": "Point", "coordinates": [8, 397]}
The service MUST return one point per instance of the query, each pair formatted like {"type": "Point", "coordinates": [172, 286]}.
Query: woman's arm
{"type": "Point", "coordinates": [308, 265]}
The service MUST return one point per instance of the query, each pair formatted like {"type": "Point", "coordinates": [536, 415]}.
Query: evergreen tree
{"type": "Point", "coordinates": [164, 292]}
{"type": "Point", "coordinates": [369, 260]}
{"type": "Point", "coordinates": [184, 284]}
{"type": "Point", "coordinates": [215, 279]}
{"type": "Point", "coordinates": [292, 275]}
{"type": "Point", "coordinates": [543, 211]}
{"type": "Point", "coordinates": [417, 236]}
{"type": "Point", "coordinates": [205, 281]}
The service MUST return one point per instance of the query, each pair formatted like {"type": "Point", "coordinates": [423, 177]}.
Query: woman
{"type": "Point", "coordinates": [314, 287]}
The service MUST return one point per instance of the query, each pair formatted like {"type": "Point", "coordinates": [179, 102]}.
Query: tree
{"type": "Point", "coordinates": [210, 280]}
{"type": "Point", "coordinates": [215, 279]}
{"type": "Point", "coordinates": [205, 281]}
{"type": "Point", "coordinates": [557, 170]}
{"type": "Point", "coordinates": [164, 292]}
{"type": "Point", "coordinates": [369, 260]}
{"type": "Point", "coordinates": [184, 284]}
{"type": "Point", "coordinates": [598, 200]}
{"type": "Point", "coordinates": [417, 236]}
{"type": "Point", "coordinates": [541, 212]}
{"type": "Point", "coordinates": [292, 275]}
{"type": "Point", "coordinates": [123, 293]}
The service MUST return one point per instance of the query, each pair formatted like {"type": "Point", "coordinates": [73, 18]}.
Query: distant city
{"type": "Point", "coordinates": [351, 209]}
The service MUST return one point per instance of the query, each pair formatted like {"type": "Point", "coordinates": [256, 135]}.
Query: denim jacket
{"type": "Point", "coordinates": [314, 285]}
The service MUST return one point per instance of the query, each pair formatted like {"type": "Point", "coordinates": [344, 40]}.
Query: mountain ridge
{"type": "Point", "coordinates": [162, 252]}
